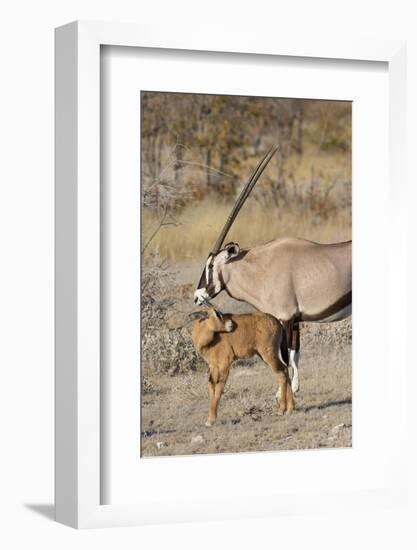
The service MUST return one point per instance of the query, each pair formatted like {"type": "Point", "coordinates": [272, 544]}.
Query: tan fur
{"type": "Point", "coordinates": [291, 278]}
{"type": "Point", "coordinates": [251, 334]}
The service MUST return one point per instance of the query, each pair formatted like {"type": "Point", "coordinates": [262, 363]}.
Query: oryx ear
{"type": "Point", "coordinates": [233, 250]}
{"type": "Point", "coordinates": [201, 315]}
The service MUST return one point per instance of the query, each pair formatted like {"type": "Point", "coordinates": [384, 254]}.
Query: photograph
{"type": "Point", "coordinates": [246, 273]}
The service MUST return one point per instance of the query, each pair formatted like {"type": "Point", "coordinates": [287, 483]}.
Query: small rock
{"type": "Point", "coordinates": [337, 428]}
{"type": "Point", "coordinates": [197, 439]}
{"type": "Point", "coordinates": [160, 444]}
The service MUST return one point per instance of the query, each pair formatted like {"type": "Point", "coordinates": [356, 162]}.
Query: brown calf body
{"type": "Point", "coordinates": [220, 339]}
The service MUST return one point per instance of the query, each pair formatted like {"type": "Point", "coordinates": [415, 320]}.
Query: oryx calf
{"type": "Point", "coordinates": [220, 339]}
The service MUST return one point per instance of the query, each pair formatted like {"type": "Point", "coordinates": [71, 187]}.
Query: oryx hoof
{"type": "Point", "coordinates": [210, 423]}
{"type": "Point", "coordinates": [295, 386]}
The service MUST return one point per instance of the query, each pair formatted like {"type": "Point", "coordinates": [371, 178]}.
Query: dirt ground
{"type": "Point", "coordinates": [174, 407]}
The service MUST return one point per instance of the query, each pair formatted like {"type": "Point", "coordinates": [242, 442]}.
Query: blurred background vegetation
{"type": "Point", "coordinates": [198, 151]}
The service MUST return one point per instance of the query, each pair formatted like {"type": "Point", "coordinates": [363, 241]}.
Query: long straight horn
{"type": "Point", "coordinates": [242, 197]}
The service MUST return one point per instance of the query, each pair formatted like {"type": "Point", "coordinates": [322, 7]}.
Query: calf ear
{"type": "Point", "coordinates": [233, 250]}
{"type": "Point", "coordinates": [201, 315]}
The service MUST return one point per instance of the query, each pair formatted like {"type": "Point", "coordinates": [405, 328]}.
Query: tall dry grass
{"type": "Point", "coordinates": [198, 227]}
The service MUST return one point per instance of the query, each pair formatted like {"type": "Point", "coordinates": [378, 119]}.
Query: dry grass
{"type": "Point", "coordinates": [329, 165]}
{"type": "Point", "coordinates": [198, 228]}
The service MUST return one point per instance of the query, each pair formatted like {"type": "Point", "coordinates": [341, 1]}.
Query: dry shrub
{"type": "Point", "coordinates": [147, 385]}
{"type": "Point", "coordinates": [156, 300]}
{"type": "Point", "coordinates": [168, 351]}
{"type": "Point", "coordinates": [166, 337]}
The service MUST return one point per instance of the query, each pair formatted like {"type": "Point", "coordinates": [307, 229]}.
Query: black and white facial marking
{"type": "Point", "coordinates": [211, 281]}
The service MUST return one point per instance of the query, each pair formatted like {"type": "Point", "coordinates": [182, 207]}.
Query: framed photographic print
{"type": "Point", "coordinates": [217, 201]}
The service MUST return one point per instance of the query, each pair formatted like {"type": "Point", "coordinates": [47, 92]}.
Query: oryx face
{"type": "Point", "coordinates": [211, 280]}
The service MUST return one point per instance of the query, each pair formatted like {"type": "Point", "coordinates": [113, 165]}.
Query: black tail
{"type": "Point", "coordinates": [283, 347]}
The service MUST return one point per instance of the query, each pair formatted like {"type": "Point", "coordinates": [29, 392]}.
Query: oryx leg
{"type": "Point", "coordinates": [294, 357]}
{"type": "Point", "coordinates": [292, 335]}
{"type": "Point", "coordinates": [217, 380]}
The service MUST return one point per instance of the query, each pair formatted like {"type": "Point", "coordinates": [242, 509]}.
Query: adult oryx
{"type": "Point", "coordinates": [292, 279]}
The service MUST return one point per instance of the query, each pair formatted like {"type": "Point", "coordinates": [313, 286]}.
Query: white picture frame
{"type": "Point", "coordinates": [78, 501]}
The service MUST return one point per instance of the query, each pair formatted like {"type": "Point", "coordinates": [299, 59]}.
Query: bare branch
{"type": "Point", "coordinates": [161, 223]}
{"type": "Point", "coordinates": [206, 167]}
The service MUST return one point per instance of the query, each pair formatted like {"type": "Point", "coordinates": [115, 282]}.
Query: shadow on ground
{"type": "Point", "coordinates": [45, 510]}
{"type": "Point", "coordinates": [327, 405]}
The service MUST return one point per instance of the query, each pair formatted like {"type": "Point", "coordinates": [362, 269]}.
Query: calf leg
{"type": "Point", "coordinates": [286, 399]}
{"type": "Point", "coordinates": [290, 395]}
{"type": "Point", "coordinates": [283, 384]}
{"type": "Point", "coordinates": [217, 380]}
{"type": "Point", "coordinates": [286, 403]}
